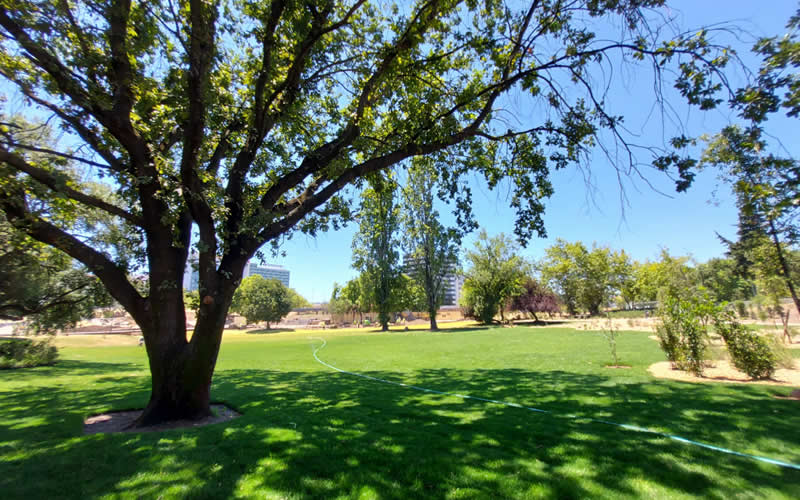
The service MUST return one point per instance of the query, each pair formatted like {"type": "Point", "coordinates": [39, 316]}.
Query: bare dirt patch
{"type": "Point", "coordinates": [621, 324]}
{"type": "Point", "coordinates": [723, 371]}
{"type": "Point", "coordinates": [120, 421]}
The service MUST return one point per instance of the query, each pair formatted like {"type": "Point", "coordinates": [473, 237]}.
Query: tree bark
{"type": "Point", "coordinates": [182, 369]}
{"type": "Point", "coordinates": [784, 266]}
{"type": "Point", "coordinates": [430, 293]}
{"type": "Point", "coordinates": [181, 385]}
{"type": "Point", "coordinates": [434, 326]}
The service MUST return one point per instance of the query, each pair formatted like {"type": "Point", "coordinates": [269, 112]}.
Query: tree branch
{"type": "Point", "coordinates": [92, 139]}
{"type": "Point", "coordinates": [13, 144]}
{"type": "Point", "coordinates": [13, 204]}
{"type": "Point", "coordinates": [59, 185]}
{"type": "Point", "coordinates": [121, 71]}
{"type": "Point", "coordinates": [201, 54]}
{"type": "Point", "coordinates": [322, 156]}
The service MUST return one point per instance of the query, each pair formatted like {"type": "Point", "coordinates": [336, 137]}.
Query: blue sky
{"type": "Point", "coordinates": [685, 223]}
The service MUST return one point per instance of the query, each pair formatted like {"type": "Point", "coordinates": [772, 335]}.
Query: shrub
{"type": "Point", "coordinates": [669, 338]}
{"type": "Point", "coordinates": [682, 332]}
{"type": "Point", "coordinates": [478, 306]}
{"type": "Point", "coordinates": [749, 352]}
{"type": "Point", "coordinates": [611, 333]}
{"type": "Point", "coordinates": [25, 353]}
{"type": "Point", "coordinates": [741, 308]}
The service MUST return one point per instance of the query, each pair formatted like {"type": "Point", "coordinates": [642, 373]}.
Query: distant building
{"type": "Point", "coordinates": [191, 277]}
{"type": "Point", "coordinates": [453, 281]}
{"type": "Point", "coordinates": [270, 271]}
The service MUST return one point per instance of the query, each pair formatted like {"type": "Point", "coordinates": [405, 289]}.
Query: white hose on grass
{"type": "Point", "coordinates": [538, 410]}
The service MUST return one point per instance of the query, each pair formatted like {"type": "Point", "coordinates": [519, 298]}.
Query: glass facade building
{"type": "Point", "coordinates": [191, 277]}
{"type": "Point", "coordinates": [453, 281]}
{"type": "Point", "coordinates": [268, 271]}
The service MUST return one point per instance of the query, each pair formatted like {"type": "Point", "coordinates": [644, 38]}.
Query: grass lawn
{"type": "Point", "coordinates": [309, 432]}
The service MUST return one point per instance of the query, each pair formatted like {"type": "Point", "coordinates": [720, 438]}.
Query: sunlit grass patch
{"type": "Point", "coordinates": [309, 432]}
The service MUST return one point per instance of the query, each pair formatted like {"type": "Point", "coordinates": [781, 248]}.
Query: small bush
{"type": "Point", "coordinates": [669, 338]}
{"type": "Point", "coordinates": [749, 352]}
{"type": "Point", "coordinates": [611, 333]}
{"type": "Point", "coordinates": [741, 308]}
{"type": "Point", "coordinates": [682, 332]}
{"type": "Point", "coordinates": [25, 353]}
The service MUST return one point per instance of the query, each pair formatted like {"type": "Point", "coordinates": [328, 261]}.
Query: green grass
{"type": "Point", "coordinates": [309, 432]}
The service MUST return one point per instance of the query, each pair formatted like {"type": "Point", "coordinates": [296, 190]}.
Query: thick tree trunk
{"type": "Point", "coordinates": [181, 384]}
{"type": "Point", "coordinates": [434, 326]}
{"type": "Point", "coordinates": [182, 369]}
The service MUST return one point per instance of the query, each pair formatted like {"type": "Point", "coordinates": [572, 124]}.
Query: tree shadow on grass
{"type": "Point", "coordinates": [325, 434]}
{"type": "Point", "coordinates": [69, 367]}
{"type": "Point", "coordinates": [265, 331]}
{"type": "Point", "coordinates": [538, 323]}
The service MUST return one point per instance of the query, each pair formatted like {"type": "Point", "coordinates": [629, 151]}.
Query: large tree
{"type": "Point", "coordinates": [496, 273]}
{"type": "Point", "coordinates": [244, 121]}
{"type": "Point", "coordinates": [376, 245]}
{"type": "Point", "coordinates": [767, 189]}
{"type": "Point", "coordinates": [586, 279]}
{"type": "Point", "coordinates": [431, 249]}
{"type": "Point", "coordinates": [766, 184]}
{"type": "Point", "coordinates": [262, 299]}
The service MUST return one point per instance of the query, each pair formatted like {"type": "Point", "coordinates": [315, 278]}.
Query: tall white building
{"type": "Point", "coordinates": [269, 271]}
{"type": "Point", "coordinates": [191, 277]}
{"type": "Point", "coordinates": [453, 281]}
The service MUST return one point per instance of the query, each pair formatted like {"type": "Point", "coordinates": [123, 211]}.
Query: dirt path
{"type": "Point", "coordinates": [722, 371]}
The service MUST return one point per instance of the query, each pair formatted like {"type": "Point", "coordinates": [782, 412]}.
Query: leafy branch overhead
{"type": "Point", "coordinates": [248, 117]}
{"type": "Point", "coordinates": [246, 121]}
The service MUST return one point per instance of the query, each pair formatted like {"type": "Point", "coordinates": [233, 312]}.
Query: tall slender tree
{"type": "Point", "coordinates": [244, 121]}
{"type": "Point", "coordinates": [767, 185]}
{"type": "Point", "coordinates": [431, 250]}
{"type": "Point", "coordinates": [767, 189]}
{"type": "Point", "coordinates": [376, 244]}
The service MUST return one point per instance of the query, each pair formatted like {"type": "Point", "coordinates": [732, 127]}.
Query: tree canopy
{"type": "Point", "coordinates": [586, 279]}
{"type": "Point", "coordinates": [496, 274]}
{"type": "Point", "coordinates": [246, 121]}
{"type": "Point", "coordinates": [431, 250]}
{"type": "Point", "coordinates": [262, 299]}
{"type": "Point", "coordinates": [44, 286]}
